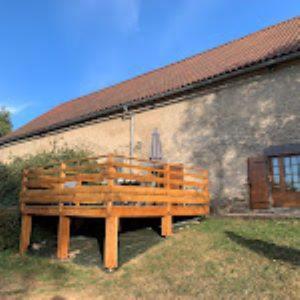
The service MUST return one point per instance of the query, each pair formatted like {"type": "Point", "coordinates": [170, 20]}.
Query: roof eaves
{"type": "Point", "coordinates": [137, 102]}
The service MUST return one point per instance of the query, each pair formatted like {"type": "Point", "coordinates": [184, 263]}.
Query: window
{"type": "Point", "coordinates": [276, 171]}
{"type": "Point", "coordinates": [292, 172]}
{"type": "Point", "coordinates": [285, 172]}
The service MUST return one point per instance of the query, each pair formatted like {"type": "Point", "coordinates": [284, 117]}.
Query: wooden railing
{"type": "Point", "coordinates": [110, 187]}
{"type": "Point", "coordinates": [114, 179]}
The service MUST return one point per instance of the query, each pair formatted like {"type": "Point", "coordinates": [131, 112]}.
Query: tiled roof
{"type": "Point", "coordinates": [269, 43]}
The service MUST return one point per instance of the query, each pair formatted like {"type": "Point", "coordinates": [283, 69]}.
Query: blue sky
{"type": "Point", "coordinates": [54, 50]}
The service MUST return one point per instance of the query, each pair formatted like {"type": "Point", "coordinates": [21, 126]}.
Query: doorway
{"type": "Point", "coordinates": [274, 177]}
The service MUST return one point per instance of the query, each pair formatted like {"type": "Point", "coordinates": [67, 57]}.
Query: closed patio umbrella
{"type": "Point", "coordinates": [156, 149]}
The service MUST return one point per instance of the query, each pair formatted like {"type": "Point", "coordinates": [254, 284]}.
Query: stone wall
{"type": "Point", "coordinates": [218, 129]}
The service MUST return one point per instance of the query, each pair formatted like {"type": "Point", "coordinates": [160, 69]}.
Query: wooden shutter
{"type": "Point", "coordinates": [258, 182]}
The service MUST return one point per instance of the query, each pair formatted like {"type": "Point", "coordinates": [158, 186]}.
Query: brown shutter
{"type": "Point", "coordinates": [258, 182]}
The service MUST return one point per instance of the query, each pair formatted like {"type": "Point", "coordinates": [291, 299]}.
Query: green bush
{"type": "Point", "coordinates": [10, 226]}
{"type": "Point", "coordinates": [9, 229]}
{"type": "Point", "coordinates": [11, 173]}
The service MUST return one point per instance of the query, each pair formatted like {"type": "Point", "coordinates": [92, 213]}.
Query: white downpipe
{"type": "Point", "coordinates": [132, 119]}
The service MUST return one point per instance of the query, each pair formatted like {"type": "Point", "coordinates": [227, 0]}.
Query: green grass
{"type": "Point", "coordinates": [216, 258]}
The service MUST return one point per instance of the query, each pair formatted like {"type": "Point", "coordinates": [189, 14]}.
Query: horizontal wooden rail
{"type": "Point", "coordinates": [116, 178]}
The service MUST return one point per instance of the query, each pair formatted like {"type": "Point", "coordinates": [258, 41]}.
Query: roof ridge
{"type": "Point", "coordinates": [264, 29]}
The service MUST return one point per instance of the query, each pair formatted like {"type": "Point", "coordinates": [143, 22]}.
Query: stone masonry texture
{"type": "Point", "coordinates": [218, 130]}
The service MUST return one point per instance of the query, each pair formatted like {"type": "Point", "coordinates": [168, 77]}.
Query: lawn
{"type": "Point", "coordinates": [211, 259]}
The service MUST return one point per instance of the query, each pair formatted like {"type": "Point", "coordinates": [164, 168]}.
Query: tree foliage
{"type": "Point", "coordinates": [5, 122]}
{"type": "Point", "coordinates": [11, 173]}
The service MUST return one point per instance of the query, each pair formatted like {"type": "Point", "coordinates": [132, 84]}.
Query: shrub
{"type": "Point", "coordinates": [10, 226]}
{"type": "Point", "coordinates": [9, 229]}
{"type": "Point", "coordinates": [11, 173]}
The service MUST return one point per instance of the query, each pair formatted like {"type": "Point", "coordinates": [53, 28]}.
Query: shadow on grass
{"type": "Point", "coordinates": [136, 236]}
{"type": "Point", "coordinates": [269, 250]}
{"type": "Point", "coordinates": [87, 240]}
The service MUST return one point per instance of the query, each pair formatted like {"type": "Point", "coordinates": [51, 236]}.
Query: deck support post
{"type": "Point", "coordinates": [63, 238]}
{"type": "Point", "coordinates": [111, 242]}
{"type": "Point", "coordinates": [26, 227]}
{"type": "Point", "coordinates": [166, 225]}
{"type": "Point", "coordinates": [166, 221]}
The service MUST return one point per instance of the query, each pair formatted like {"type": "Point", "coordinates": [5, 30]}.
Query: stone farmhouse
{"type": "Point", "coordinates": [234, 109]}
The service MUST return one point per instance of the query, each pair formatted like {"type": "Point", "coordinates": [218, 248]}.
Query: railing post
{"type": "Point", "coordinates": [110, 181]}
{"type": "Point", "coordinates": [62, 175]}
{"type": "Point", "coordinates": [23, 189]}
{"type": "Point", "coordinates": [166, 221]}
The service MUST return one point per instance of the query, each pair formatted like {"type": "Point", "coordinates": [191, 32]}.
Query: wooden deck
{"type": "Point", "coordinates": [110, 187]}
